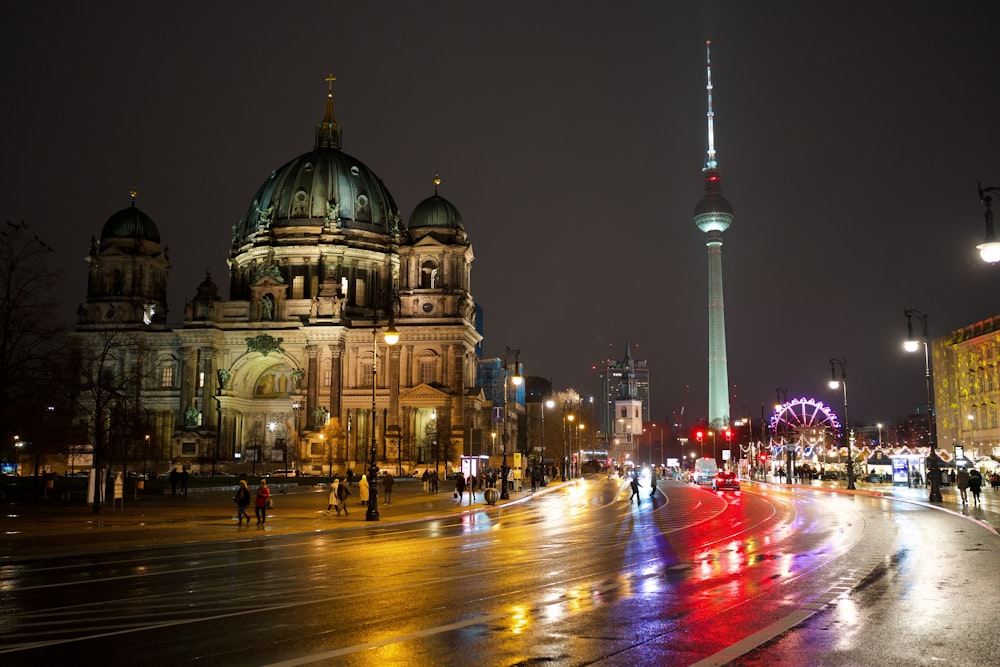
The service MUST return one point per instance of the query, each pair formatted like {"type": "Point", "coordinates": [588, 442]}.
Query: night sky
{"type": "Point", "coordinates": [571, 136]}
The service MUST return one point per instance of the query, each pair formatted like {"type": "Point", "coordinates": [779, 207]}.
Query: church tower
{"type": "Point", "coordinates": [713, 215]}
{"type": "Point", "coordinates": [628, 409]}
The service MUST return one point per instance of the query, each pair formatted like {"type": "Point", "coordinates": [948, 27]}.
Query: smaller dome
{"type": "Point", "coordinates": [436, 211]}
{"type": "Point", "coordinates": [130, 223]}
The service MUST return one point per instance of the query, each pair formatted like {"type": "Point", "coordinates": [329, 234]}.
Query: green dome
{"type": "Point", "coordinates": [325, 187]}
{"type": "Point", "coordinates": [436, 211]}
{"type": "Point", "coordinates": [130, 223]}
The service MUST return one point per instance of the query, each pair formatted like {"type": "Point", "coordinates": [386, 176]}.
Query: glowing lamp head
{"type": "Point", "coordinates": [834, 384]}
{"type": "Point", "coordinates": [391, 335]}
{"type": "Point", "coordinates": [989, 251]}
{"type": "Point", "coordinates": [911, 345]}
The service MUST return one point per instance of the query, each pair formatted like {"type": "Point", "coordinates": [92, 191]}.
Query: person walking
{"type": "Point", "coordinates": [174, 479]}
{"type": "Point", "coordinates": [652, 486]}
{"type": "Point", "coordinates": [184, 482]}
{"type": "Point", "coordinates": [975, 485]}
{"type": "Point", "coordinates": [472, 488]}
{"type": "Point", "coordinates": [387, 481]}
{"type": "Point", "coordinates": [261, 502]}
{"type": "Point", "coordinates": [434, 481]}
{"type": "Point", "coordinates": [343, 492]}
{"type": "Point", "coordinates": [962, 482]}
{"type": "Point", "coordinates": [459, 486]}
{"type": "Point", "coordinates": [635, 489]}
{"type": "Point", "coordinates": [334, 500]}
{"type": "Point", "coordinates": [242, 500]}
{"type": "Point", "coordinates": [426, 479]}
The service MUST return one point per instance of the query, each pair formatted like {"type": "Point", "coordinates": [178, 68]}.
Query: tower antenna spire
{"type": "Point", "coordinates": [710, 162]}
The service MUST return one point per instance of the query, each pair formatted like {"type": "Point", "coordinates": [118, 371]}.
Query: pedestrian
{"type": "Point", "coordinates": [334, 500]}
{"type": "Point", "coordinates": [472, 488]}
{"type": "Point", "coordinates": [363, 489]}
{"type": "Point", "coordinates": [635, 490]}
{"type": "Point", "coordinates": [434, 481]}
{"type": "Point", "coordinates": [652, 486]}
{"type": "Point", "coordinates": [387, 481]}
{"type": "Point", "coordinates": [184, 482]}
{"type": "Point", "coordinates": [343, 491]}
{"type": "Point", "coordinates": [962, 482]}
{"type": "Point", "coordinates": [261, 502]}
{"type": "Point", "coordinates": [975, 485]}
{"type": "Point", "coordinates": [426, 479]}
{"type": "Point", "coordinates": [459, 486]}
{"type": "Point", "coordinates": [350, 477]}
{"type": "Point", "coordinates": [174, 479]}
{"type": "Point", "coordinates": [242, 500]}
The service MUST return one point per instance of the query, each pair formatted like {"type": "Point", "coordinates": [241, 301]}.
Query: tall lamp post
{"type": "Point", "coordinates": [545, 404]}
{"type": "Point", "coordinates": [391, 338]}
{"type": "Point", "coordinates": [835, 384]}
{"type": "Point", "coordinates": [989, 249]}
{"type": "Point", "coordinates": [912, 344]}
{"type": "Point", "coordinates": [516, 380]}
{"type": "Point", "coordinates": [297, 407]}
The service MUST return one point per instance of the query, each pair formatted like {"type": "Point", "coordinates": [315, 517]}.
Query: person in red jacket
{"type": "Point", "coordinates": [261, 502]}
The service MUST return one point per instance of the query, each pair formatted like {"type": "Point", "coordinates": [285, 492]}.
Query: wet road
{"type": "Point", "coordinates": [576, 576]}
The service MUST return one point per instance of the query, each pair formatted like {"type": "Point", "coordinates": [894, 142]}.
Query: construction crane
{"type": "Point", "coordinates": [679, 417]}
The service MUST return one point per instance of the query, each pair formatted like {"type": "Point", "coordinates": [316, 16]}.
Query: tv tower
{"type": "Point", "coordinates": [713, 215]}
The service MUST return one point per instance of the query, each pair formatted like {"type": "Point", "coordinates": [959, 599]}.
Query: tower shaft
{"type": "Point", "coordinates": [718, 370]}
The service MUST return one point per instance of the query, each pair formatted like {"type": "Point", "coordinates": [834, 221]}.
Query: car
{"type": "Point", "coordinates": [725, 479]}
{"type": "Point", "coordinates": [283, 473]}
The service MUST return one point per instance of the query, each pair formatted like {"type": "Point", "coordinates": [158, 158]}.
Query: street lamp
{"type": "Point", "coordinates": [834, 384]}
{"type": "Point", "coordinates": [391, 338]}
{"type": "Point", "coordinates": [989, 249]}
{"type": "Point", "coordinates": [516, 380]}
{"type": "Point", "coordinates": [545, 404]}
{"type": "Point", "coordinates": [297, 406]}
{"type": "Point", "coordinates": [912, 344]}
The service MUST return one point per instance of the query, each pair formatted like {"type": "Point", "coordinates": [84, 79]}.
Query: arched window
{"type": "Point", "coordinates": [428, 275]}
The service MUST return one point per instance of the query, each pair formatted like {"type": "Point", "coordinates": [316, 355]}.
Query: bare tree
{"type": "Point", "coordinates": [111, 363]}
{"type": "Point", "coordinates": [31, 344]}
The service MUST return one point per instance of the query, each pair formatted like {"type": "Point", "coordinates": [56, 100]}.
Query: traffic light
{"type": "Point", "coordinates": [699, 435]}
{"type": "Point", "coordinates": [729, 434]}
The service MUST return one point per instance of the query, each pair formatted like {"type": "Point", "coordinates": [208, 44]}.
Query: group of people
{"type": "Point", "coordinates": [969, 480]}
{"type": "Point", "coordinates": [261, 502]}
{"type": "Point", "coordinates": [430, 481]}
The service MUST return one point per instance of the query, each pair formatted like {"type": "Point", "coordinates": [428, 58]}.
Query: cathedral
{"type": "Point", "coordinates": [293, 371]}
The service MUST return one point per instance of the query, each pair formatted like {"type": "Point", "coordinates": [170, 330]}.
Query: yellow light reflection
{"type": "Point", "coordinates": [519, 619]}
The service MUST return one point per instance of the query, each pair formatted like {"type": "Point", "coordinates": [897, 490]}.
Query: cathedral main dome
{"type": "Point", "coordinates": [325, 188]}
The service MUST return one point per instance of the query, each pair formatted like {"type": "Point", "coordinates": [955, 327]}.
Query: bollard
{"type": "Point", "coordinates": [491, 496]}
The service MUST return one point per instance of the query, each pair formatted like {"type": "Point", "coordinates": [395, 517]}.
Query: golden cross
{"type": "Point", "coordinates": [330, 79]}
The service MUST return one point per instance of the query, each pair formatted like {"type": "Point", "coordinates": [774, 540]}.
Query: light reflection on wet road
{"type": "Point", "coordinates": [577, 576]}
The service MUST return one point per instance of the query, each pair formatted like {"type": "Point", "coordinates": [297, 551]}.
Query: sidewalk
{"type": "Point", "coordinates": [40, 528]}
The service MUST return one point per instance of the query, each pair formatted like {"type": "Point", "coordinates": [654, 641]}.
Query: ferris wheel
{"type": "Point", "coordinates": [804, 419]}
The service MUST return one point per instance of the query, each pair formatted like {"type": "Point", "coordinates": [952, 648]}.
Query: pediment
{"type": "Point", "coordinates": [424, 392]}
{"type": "Point", "coordinates": [266, 280]}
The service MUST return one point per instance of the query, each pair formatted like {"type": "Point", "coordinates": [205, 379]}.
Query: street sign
{"type": "Point", "coordinates": [498, 415]}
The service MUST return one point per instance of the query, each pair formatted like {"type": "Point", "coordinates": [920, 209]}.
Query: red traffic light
{"type": "Point", "coordinates": [729, 434]}
{"type": "Point", "coordinates": [699, 435]}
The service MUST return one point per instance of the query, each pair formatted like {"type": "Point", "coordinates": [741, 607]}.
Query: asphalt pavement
{"type": "Point", "coordinates": [56, 526]}
{"type": "Point", "coordinates": [37, 528]}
